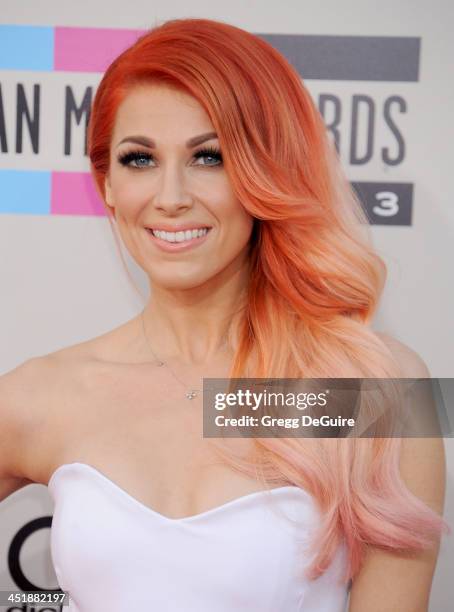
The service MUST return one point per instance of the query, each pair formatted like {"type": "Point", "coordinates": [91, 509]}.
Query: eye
{"type": "Point", "coordinates": [212, 152]}
{"type": "Point", "coordinates": [125, 159]}
{"type": "Point", "coordinates": [139, 159]}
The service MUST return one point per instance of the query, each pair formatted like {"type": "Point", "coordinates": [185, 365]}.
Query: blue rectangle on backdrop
{"type": "Point", "coordinates": [24, 47]}
{"type": "Point", "coordinates": [25, 192]}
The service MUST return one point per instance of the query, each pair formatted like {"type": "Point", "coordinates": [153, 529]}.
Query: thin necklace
{"type": "Point", "coordinates": [190, 393]}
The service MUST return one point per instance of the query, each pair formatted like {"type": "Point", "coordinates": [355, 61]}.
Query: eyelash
{"type": "Point", "coordinates": [125, 159]}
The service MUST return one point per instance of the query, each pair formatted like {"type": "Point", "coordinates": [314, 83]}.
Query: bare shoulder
{"type": "Point", "coordinates": [28, 395]}
{"type": "Point", "coordinates": [21, 393]}
{"type": "Point", "coordinates": [411, 362]}
{"type": "Point", "coordinates": [403, 581]}
{"type": "Point", "coordinates": [41, 400]}
{"type": "Point", "coordinates": [422, 460]}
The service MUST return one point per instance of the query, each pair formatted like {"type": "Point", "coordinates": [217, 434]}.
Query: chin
{"type": "Point", "coordinates": [182, 283]}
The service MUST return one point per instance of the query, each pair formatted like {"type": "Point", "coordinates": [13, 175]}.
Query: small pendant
{"type": "Point", "coordinates": [191, 394]}
{"type": "Point", "coordinates": [160, 363]}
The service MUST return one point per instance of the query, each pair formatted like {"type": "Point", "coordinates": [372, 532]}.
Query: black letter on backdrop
{"type": "Point", "coordinates": [83, 109]}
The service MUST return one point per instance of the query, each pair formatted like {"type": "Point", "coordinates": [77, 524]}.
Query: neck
{"type": "Point", "coordinates": [192, 327]}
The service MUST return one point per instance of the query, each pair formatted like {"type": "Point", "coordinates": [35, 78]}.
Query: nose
{"type": "Point", "coordinates": [171, 195]}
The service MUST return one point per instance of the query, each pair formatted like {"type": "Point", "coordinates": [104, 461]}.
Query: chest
{"type": "Point", "coordinates": [248, 555]}
{"type": "Point", "coordinates": [140, 429]}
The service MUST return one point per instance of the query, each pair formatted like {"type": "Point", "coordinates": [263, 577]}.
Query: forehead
{"type": "Point", "coordinates": [157, 109]}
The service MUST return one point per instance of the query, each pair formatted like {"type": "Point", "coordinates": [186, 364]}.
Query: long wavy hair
{"type": "Point", "coordinates": [315, 280]}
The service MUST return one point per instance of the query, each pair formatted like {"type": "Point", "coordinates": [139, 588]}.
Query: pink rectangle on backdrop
{"type": "Point", "coordinates": [90, 49]}
{"type": "Point", "coordinates": [74, 193]}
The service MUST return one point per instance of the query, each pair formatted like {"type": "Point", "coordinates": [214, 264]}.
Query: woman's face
{"type": "Point", "coordinates": [159, 180]}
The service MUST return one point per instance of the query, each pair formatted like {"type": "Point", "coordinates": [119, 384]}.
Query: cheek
{"type": "Point", "coordinates": [128, 193]}
{"type": "Point", "coordinates": [240, 219]}
{"type": "Point", "coordinates": [238, 225]}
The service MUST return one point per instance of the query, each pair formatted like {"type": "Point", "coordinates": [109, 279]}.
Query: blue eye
{"type": "Point", "coordinates": [210, 152]}
{"type": "Point", "coordinates": [135, 156]}
{"type": "Point", "coordinates": [140, 158]}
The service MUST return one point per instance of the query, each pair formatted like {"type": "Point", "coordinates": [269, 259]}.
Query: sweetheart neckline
{"type": "Point", "coordinates": [200, 515]}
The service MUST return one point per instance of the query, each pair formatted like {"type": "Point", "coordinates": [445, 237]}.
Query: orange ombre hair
{"type": "Point", "coordinates": [315, 280]}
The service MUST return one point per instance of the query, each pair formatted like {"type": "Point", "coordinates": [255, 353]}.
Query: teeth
{"type": "Point", "coordinates": [179, 236]}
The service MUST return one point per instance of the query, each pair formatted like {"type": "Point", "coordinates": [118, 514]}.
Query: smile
{"type": "Point", "coordinates": [178, 241]}
{"type": "Point", "coordinates": [182, 236]}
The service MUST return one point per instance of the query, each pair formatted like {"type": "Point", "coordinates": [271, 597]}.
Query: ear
{"type": "Point", "coordinates": [108, 191]}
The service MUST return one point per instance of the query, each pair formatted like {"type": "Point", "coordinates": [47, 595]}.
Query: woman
{"type": "Point", "coordinates": [214, 165]}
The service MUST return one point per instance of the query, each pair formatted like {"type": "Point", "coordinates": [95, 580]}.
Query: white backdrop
{"type": "Point", "coordinates": [62, 279]}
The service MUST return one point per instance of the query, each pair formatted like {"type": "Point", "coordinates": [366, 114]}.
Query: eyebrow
{"type": "Point", "coordinates": [148, 142]}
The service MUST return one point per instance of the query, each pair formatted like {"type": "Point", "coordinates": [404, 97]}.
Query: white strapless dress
{"type": "Point", "coordinates": [112, 553]}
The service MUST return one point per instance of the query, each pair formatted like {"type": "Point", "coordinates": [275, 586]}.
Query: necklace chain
{"type": "Point", "coordinates": [190, 393]}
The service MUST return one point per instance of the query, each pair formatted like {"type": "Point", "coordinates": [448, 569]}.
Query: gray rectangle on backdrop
{"type": "Point", "coordinates": [350, 58]}
{"type": "Point", "coordinates": [386, 203]}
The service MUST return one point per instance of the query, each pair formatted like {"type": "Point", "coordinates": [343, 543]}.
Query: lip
{"type": "Point", "coordinates": [182, 227]}
{"type": "Point", "coordinates": [172, 247]}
